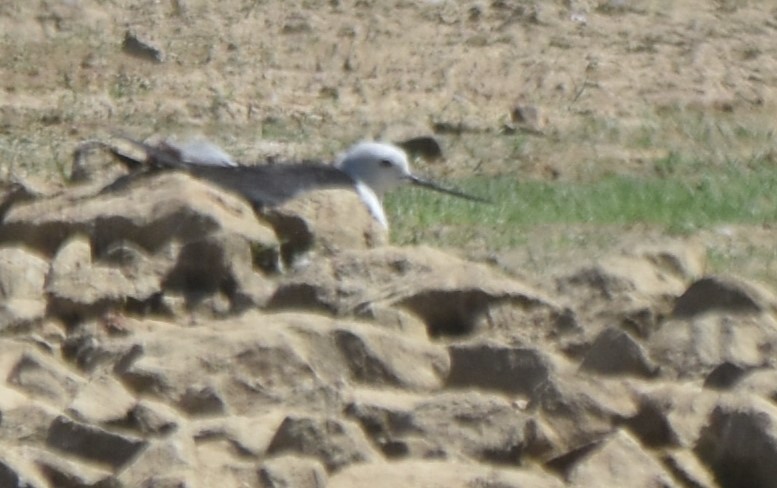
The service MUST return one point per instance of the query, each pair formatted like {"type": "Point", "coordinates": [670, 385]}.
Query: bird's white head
{"type": "Point", "coordinates": [380, 166]}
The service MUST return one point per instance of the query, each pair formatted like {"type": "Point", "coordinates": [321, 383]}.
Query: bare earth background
{"type": "Point", "coordinates": [151, 337]}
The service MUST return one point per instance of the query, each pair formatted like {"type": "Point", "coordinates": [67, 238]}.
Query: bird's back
{"type": "Point", "coordinates": [273, 184]}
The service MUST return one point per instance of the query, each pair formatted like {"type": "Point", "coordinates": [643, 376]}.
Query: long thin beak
{"type": "Point", "coordinates": [434, 186]}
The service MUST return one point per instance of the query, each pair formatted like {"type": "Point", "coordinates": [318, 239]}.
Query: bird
{"type": "Point", "coordinates": [370, 168]}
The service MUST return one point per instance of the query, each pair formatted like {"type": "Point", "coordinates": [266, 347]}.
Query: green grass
{"type": "Point", "coordinates": [732, 194]}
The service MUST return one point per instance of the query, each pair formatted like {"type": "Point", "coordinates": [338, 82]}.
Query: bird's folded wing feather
{"type": "Point", "coordinates": [268, 185]}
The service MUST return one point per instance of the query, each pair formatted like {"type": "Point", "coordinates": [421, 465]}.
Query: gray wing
{"type": "Point", "coordinates": [268, 185]}
{"type": "Point", "coordinates": [262, 185]}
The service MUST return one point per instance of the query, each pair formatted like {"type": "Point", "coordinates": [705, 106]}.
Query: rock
{"type": "Point", "coordinates": [685, 260]}
{"type": "Point", "coordinates": [92, 443]}
{"type": "Point", "coordinates": [495, 366]}
{"type": "Point", "coordinates": [44, 378]}
{"type": "Point", "coordinates": [616, 461]}
{"type": "Point", "coordinates": [149, 419]}
{"type": "Point", "coordinates": [150, 212]}
{"type": "Point", "coordinates": [759, 382]}
{"type": "Point", "coordinates": [248, 436]}
{"type": "Point", "coordinates": [87, 351]}
{"type": "Point", "coordinates": [325, 221]}
{"type": "Point", "coordinates": [692, 347]}
{"type": "Point", "coordinates": [219, 264]}
{"type": "Point", "coordinates": [472, 425]}
{"type": "Point", "coordinates": [450, 295]}
{"type": "Point", "coordinates": [17, 469]}
{"type": "Point", "coordinates": [393, 319]}
{"type": "Point", "coordinates": [202, 400]}
{"type": "Point", "coordinates": [140, 49]}
{"type": "Point", "coordinates": [670, 415]}
{"type": "Point", "coordinates": [529, 118]}
{"type": "Point", "coordinates": [336, 443]}
{"type": "Point", "coordinates": [723, 294]}
{"type": "Point", "coordinates": [386, 417]}
{"type": "Point", "coordinates": [246, 363]}
{"type": "Point", "coordinates": [176, 375]}
{"type": "Point", "coordinates": [623, 278]}
{"type": "Point", "coordinates": [166, 462]}
{"type": "Point", "coordinates": [22, 277]}
{"type": "Point", "coordinates": [292, 471]}
{"type": "Point", "coordinates": [24, 420]}
{"type": "Point", "coordinates": [688, 470]}
{"type": "Point", "coordinates": [739, 442]}
{"type": "Point", "coordinates": [633, 290]}
{"type": "Point", "coordinates": [615, 352]}
{"type": "Point", "coordinates": [426, 147]}
{"type": "Point", "coordinates": [375, 357]}
{"type": "Point", "coordinates": [78, 288]}
{"type": "Point", "coordinates": [465, 425]}
{"type": "Point", "coordinates": [579, 409]}
{"type": "Point", "coordinates": [62, 471]}
{"type": "Point", "coordinates": [102, 400]}
{"type": "Point", "coordinates": [439, 474]}
{"type": "Point", "coordinates": [725, 376]}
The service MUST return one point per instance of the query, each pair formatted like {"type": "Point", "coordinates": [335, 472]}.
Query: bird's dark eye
{"type": "Point", "coordinates": [386, 163]}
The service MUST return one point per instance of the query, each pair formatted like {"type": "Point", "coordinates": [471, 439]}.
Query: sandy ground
{"type": "Point", "coordinates": [615, 85]}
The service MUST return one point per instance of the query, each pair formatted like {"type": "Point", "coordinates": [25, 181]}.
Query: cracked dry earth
{"type": "Point", "coordinates": [165, 335]}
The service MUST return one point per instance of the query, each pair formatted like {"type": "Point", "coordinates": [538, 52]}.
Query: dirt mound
{"type": "Point", "coordinates": [151, 336]}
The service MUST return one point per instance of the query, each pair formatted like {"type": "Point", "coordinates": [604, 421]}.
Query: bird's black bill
{"type": "Point", "coordinates": [434, 186]}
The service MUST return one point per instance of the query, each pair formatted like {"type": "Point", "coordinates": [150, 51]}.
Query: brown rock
{"type": "Point", "coordinates": [336, 443]}
{"type": "Point", "coordinates": [249, 437]}
{"type": "Point", "coordinates": [92, 443]}
{"type": "Point", "coordinates": [462, 425]}
{"type": "Point", "coordinates": [723, 294]}
{"type": "Point", "coordinates": [580, 409]}
{"type": "Point", "coordinates": [66, 472]}
{"type": "Point", "coordinates": [439, 474]}
{"type": "Point", "coordinates": [472, 425]}
{"type": "Point", "coordinates": [529, 117]}
{"type": "Point", "coordinates": [219, 264]}
{"type": "Point", "coordinates": [242, 364]}
{"type": "Point", "coordinates": [617, 461]}
{"type": "Point", "coordinates": [148, 418]}
{"type": "Point", "coordinates": [168, 462]}
{"type": "Point", "coordinates": [450, 295]}
{"type": "Point", "coordinates": [688, 470]}
{"type": "Point", "coordinates": [759, 382]}
{"type": "Point", "coordinates": [44, 378]}
{"type": "Point", "coordinates": [150, 212]}
{"type": "Point", "coordinates": [102, 400]}
{"type": "Point", "coordinates": [498, 367]}
{"type": "Point", "coordinates": [615, 352]}
{"type": "Point", "coordinates": [375, 357]}
{"type": "Point", "coordinates": [669, 414]}
{"type": "Point", "coordinates": [22, 276]}
{"type": "Point", "coordinates": [292, 471]}
{"type": "Point", "coordinates": [326, 221]}
{"type": "Point", "coordinates": [725, 376]}
{"type": "Point", "coordinates": [141, 49]}
{"type": "Point", "coordinates": [17, 469]}
{"type": "Point", "coordinates": [78, 288]}
{"type": "Point", "coordinates": [633, 290]}
{"type": "Point", "coordinates": [692, 347]}
{"type": "Point", "coordinates": [393, 319]}
{"type": "Point", "coordinates": [739, 443]}
{"type": "Point", "coordinates": [24, 420]}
